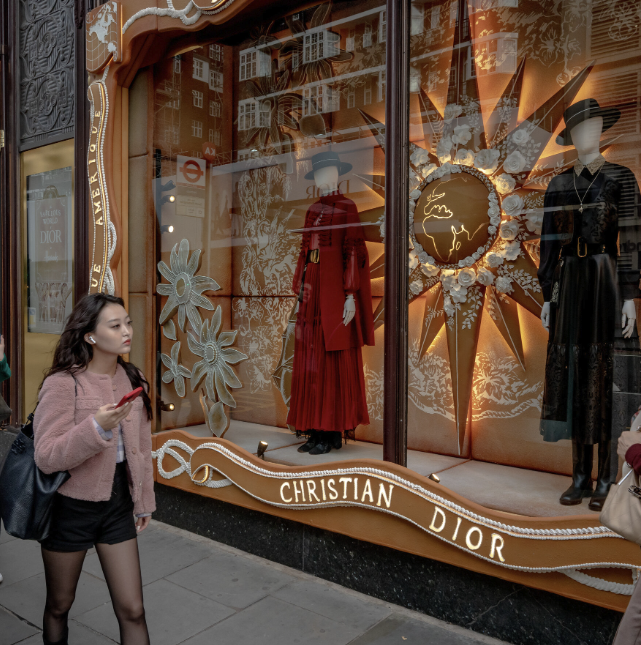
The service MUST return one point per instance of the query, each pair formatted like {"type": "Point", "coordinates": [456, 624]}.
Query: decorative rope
{"type": "Point", "coordinates": [601, 584]}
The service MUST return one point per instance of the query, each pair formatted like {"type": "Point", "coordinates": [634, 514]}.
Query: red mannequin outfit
{"type": "Point", "coordinates": [328, 387]}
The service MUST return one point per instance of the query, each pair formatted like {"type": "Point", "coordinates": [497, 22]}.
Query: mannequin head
{"type": "Point", "coordinates": [326, 179]}
{"type": "Point", "coordinates": [586, 135]}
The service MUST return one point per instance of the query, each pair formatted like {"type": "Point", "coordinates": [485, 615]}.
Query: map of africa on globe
{"type": "Point", "coordinates": [450, 220]}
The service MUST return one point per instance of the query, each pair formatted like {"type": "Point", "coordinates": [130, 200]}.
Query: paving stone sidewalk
{"type": "Point", "coordinates": [201, 592]}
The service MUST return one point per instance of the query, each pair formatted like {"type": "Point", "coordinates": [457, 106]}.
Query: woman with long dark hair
{"type": "Point", "coordinates": [107, 451]}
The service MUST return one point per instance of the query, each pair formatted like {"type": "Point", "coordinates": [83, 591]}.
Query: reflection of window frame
{"type": "Point", "coordinates": [197, 129]}
{"type": "Point", "coordinates": [215, 80]}
{"type": "Point", "coordinates": [320, 99]}
{"type": "Point", "coordinates": [367, 91]}
{"type": "Point", "coordinates": [264, 114]}
{"type": "Point", "coordinates": [246, 114]}
{"type": "Point", "coordinates": [214, 108]}
{"type": "Point", "coordinates": [211, 135]}
{"type": "Point", "coordinates": [177, 64]}
{"type": "Point", "coordinates": [432, 81]}
{"type": "Point", "coordinates": [350, 41]}
{"type": "Point", "coordinates": [215, 52]}
{"type": "Point", "coordinates": [351, 99]}
{"type": "Point", "coordinates": [253, 63]}
{"type": "Point", "coordinates": [417, 19]}
{"type": "Point", "coordinates": [382, 26]}
{"type": "Point", "coordinates": [320, 44]}
{"type": "Point", "coordinates": [172, 136]}
{"type": "Point", "coordinates": [199, 69]}
{"type": "Point", "coordinates": [197, 98]}
{"type": "Point", "coordinates": [367, 36]}
{"type": "Point", "coordinates": [382, 84]}
{"type": "Point", "coordinates": [435, 17]}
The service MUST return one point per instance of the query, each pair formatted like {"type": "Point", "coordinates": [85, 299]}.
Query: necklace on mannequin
{"type": "Point", "coordinates": [586, 192]}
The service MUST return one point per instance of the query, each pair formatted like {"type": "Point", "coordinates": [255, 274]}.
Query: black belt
{"type": "Point", "coordinates": [581, 249]}
{"type": "Point", "coordinates": [312, 257]}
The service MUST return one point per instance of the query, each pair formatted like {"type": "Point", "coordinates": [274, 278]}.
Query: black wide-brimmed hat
{"type": "Point", "coordinates": [582, 111]}
{"type": "Point", "coordinates": [324, 159]}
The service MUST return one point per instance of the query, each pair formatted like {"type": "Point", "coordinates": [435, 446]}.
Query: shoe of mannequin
{"type": "Point", "coordinates": [604, 478]}
{"type": "Point", "coordinates": [322, 446]}
{"type": "Point", "coordinates": [581, 475]}
{"type": "Point", "coordinates": [311, 442]}
{"type": "Point", "coordinates": [336, 440]}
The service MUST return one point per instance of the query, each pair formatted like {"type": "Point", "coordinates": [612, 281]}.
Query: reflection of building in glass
{"type": "Point", "coordinates": [189, 101]}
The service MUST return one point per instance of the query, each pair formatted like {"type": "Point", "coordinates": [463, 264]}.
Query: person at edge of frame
{"type": "Point", "coordinates": [5, 373]}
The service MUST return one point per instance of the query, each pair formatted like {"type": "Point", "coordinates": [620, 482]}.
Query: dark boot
{"type": "Point", "coordinates": [336, 441]}
{"type": "Point", "coordinates": [63, 641]}
{"type": "Point", "coordinates": [604, 478]}
{"type": "Point", "coordinates": [311, 442]}
{"type": "Point", "coordinates": [323, 443]}
{"type": "Point", "coordinates": [581, 475]}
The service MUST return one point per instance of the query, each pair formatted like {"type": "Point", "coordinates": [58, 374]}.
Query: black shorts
{"type": "Point", "coordinates": [77, 525]}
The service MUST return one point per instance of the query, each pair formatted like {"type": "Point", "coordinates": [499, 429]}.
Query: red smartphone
{"type": "Point", "coordinates": [129, 397]}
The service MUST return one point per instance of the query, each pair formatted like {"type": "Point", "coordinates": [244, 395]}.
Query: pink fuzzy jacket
{"type": "Point", "coordinates": [66, 439]}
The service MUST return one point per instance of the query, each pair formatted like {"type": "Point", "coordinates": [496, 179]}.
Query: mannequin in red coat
{"type": "Point", "coordinates": [334, 317]}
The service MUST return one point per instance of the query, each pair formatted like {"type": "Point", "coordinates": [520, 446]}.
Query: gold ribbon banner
{"type": "Point", "coordinates": [397, 497]}
{"type": "Point", "coordinates": [97, 186]}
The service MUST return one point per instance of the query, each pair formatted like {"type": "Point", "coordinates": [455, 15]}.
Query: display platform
{"type": "Point", "coordinates": [354, 492]}
{"type": "Point", "coordinates": [503, 488]}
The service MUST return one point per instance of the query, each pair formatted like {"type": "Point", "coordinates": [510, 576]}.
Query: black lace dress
{"type": "Point", "coordinates": [586, 296]}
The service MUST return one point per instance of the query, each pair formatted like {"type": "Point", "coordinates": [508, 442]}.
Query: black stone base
{"type": "Point", "coordinates": [488, 605]}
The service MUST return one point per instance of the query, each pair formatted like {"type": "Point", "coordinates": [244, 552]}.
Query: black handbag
{"type": "Point", "coordinates": [26, 493]}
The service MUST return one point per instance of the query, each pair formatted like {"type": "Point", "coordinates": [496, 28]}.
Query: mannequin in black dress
{"type": "Point", "coordinates": [589, 273]}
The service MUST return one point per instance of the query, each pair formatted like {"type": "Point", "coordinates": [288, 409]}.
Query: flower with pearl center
{"type": "Point", "coordinates": [214, 349]}
{"type": "Point", "coordinates": [184, 288]}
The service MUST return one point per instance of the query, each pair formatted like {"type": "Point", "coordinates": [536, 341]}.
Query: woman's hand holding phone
{"type": "Point", "coordinates": [109, 416]}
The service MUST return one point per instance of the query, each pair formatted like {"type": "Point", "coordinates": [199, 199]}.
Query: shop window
{"type": "Point", "coordinates": [382, 27]}
{"type": "Point", "coordinates": [197, 129]}
{"type": "Point", "coordinates": [367, 36]}
{"type": "Point", "coordinates": [198, 98]}
{"type": "Point", "coordinates": [417, 19]}
{"type": "Point", "coordinates": [350, 41]}
{"type": "Point", "coordinates": [199, 69]}
{"type": "Point", "coordinates": [176, 64]}
{"type": "Point", "coordinates": [215, 108]}
{"type": "Point", "coordinates": [247, 114]}
{"type": "Point", "coordinates": [215, 80]}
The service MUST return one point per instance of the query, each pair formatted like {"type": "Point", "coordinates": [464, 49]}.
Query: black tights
{"type": "Point", "coordinates": [121, 566]}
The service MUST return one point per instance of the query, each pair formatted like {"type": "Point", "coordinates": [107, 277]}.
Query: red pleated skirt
{"type": "Point", "coordinates": [328, 388]}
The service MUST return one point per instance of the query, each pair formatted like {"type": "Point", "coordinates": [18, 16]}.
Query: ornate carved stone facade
{"type": "Point", "coordinates": [47, 57]}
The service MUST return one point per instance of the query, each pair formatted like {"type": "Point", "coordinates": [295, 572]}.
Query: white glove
{"type": "Point", "coordinates": [349, 310]}
{"type": "Point", "coordinates": [628, 318]}
{"type": "Point", "coordinates": [545, 316]}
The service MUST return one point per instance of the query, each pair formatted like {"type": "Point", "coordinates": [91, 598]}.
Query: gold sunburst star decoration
{"type": "Point", "coordinates": [475, 207]}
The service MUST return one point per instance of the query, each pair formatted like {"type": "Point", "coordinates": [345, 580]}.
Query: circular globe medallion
{"type": "Point", "coordinates": [451, 217]}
